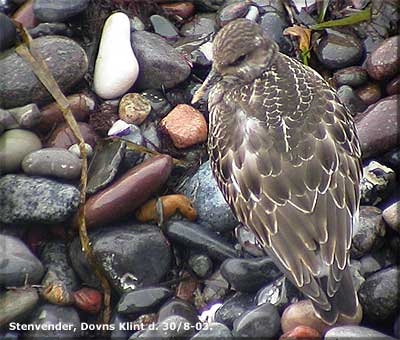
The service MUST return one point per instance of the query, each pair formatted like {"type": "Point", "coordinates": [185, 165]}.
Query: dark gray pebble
{"type": "Point", "coordinates": [202, 24]}
{"type": "Point", "coordinates": [51, 28]}
{"type": "Point", "coordinates": [180, 307]}
{"type": "Point", "coordinates": [213, 330]}
{"type": "Point", "coordinates": [8, 36]}
{"type": "Point", "coordinates": [201, 265]}
{"type": "Point", "coordinates": [162, 26]}
{"type": "Point", "coordinates": [234, 307]}
{"type": "Point", "coordinates": [57, 11]}
{"type": "Point", "coordinates": [20, 204]}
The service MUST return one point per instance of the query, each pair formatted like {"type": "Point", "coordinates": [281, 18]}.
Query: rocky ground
{"type": "Point", "coordinates": [179, 264]}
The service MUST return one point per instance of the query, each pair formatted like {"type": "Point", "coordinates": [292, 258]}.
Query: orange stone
{"type": "Point", "coordinates": [185, 125]}
{"type": "Point", "coordinates": [88, 300]}
{"type": "Point", "coordinates": [301, 333]}
{"type": "Point", "coordinates": [181, 9]}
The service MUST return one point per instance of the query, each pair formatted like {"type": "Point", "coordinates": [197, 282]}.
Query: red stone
{"type": "Point", "coordinates": [301, 333]}
{"type": "Point", "coordinates": [129, 192]}
{"type": "Point", "coordinates": [181, 9]}
{"type": "Point", "coordinates": [63, 137]}
{"type": "Point", "coordinates": [89, 300]}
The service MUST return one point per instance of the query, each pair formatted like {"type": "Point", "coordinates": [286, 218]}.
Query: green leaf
{"type": "Point", "coordinates": [351, 20]}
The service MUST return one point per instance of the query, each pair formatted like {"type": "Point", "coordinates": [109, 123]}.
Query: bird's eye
{"type": "Point", "coordinates": [238, 60]}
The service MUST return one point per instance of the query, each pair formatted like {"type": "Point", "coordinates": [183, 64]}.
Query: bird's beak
{"type": "Point", "coordinates": [211, 79]}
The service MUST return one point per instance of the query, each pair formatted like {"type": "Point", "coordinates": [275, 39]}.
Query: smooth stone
{"type": "Point", "coordinates": [26, 116]}
{"type": "Point", "coordinates": [249, 275]}
{"type": "Point", "coordinates": [263, 321]}
{"type": "Point", "coordinates": [232, 11]}
{"type": "Point", "coordinates": [132, 255]}
{"type": "Point", "coordinates": [392, 217]}
{"type": "Point", "coordinates": [301, 332]}
{"type": "Point", "coordinates": [134, 108]}
{"type": "Point", "coordinates": [54, 257]}
{"type": "Point", "coordinates": [369, 93]}
{"type": "Point", "coordinates": [196, 236]}
{"type": "Point", "coordinates": [129, 192]}
{"type": "Point", "coordinates": [181, 9]}
{"type": "Point", "coordinates": [63, 137]}
{"type": "Point", "coordinates": [18, 264]}
{"type": "Point", "coordinates": [52, 162]}
{"type": "Point", "coordinates": [202, 24]}
{"type": "Point", "coordinates": [377, 260]}
{"type": "Point", "coordinates": [280, 293]}
{"type": "Point", "coordinates": [337, 50]}
{"type": "Point", "coordinates": [51, 28]}
{"type": "Point", "coordinates": [14, 146]}
{"type": "Point", "coordinates": [378, 127]}
{"type": "Point", "coordinates": [104, 165]}
{"type": "Point", "coordinates": [213, 330]}
{"type": "Point", "coordinates": [75, 149]}
{"type": "Point", "coordinates": [384, 61]}
{"type": "Point", "coordinates": [369, 231]}
{"type": "Point", "coordinates": [215, 287]}
{"type": "Point", "coordinates": [377, 184]}
{"type": "Point", "coordinates": [393, 86]}
{"type": "Point", "coordinates": [143, 300]}
{"type": "Point", "coordinates": [201, 265]}
{"type": "Point", "coordinates": [179, 307]}
{"type": "Point", "coordinates": [65, 58]}
{"type": "Point", "coordinates": [233, 308]}
{"type": "Point", "coordinates": [52, 315]}
{"type": "Point", "coordinates": [161, 66]}
{"type": "Point", "coordinates": [20, 204]}
{"type": "Point", "coordinates": [352, 76]}
{"type": "Point", "coordinates": [88, 300]}
{"type": "Point", "coordinates": [57, 11]}
{"type": "Point", "coordinates": [159, 104]}
{"type": "Point", "coordinates": [379, 295]}
{"type": "Point", "coordinates": [116, 68]}
{"type": "Point", "coordinates": [7, 120]}
{"type": "Point", "coordinates": [208, 200]}
{"type": "Point", "coordinates": [17, 304]}
{"type": "Point", "coordinates": [355, 332]}
{"type": "Point", "coordinates": [81, 106]}
{"type": "Point", "coordinates": [163, 27]}
{"type": "Point", "coordinates": [8, 31]}
{"type": "Point", "coordinates": [350, 99]}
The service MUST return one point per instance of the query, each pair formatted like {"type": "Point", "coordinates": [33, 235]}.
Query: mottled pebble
{"type": "Point", "coordinates": [201, 265]}
{"type": "Point", "coordinates": [392, 217]}
{"type": "Point", "coordinates": [134, 108]}
{"type": "Point", "coordinates": [215, 287]}
{"type": "Point", "coordinates": [75, 149]}
{"type": "Point", "coordinates": [14, 146]}
{"type": "Point", "coordinates": [352, 76]}
{"type": "Point", "coordinates": [20, 204]}
{"type": "Point", "coordinates": [52, 162]}
{"type": "Point", "coordinates": [233, 308]}
{"type": "Point", "coordinates": [369, 93]}
{"type": "Point", "coordinates": [57, 11]}
{"type": "Point", "coordinates": [51, 28]}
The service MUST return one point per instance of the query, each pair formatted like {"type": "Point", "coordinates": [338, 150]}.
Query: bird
{"type": "Point", "coordinates": [285, 154]}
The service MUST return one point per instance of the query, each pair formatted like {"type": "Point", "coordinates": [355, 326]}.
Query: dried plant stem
{"type": "Point", "coordinates": [30, 54]}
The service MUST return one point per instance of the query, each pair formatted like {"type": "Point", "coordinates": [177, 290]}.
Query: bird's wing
{"type": "Point", "coordinates": [300, 203]}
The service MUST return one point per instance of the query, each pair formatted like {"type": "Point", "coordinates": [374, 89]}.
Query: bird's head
{"type": "Point", "coordinates": [241, 53]}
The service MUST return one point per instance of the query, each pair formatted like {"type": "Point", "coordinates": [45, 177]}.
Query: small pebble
{"type": "Point", "coordinates": [74, 149]}
{"type": "Point", "coordinates": [134, 108]}
{"type": "Point", "coordinates": [57, 11]}
{"type": "Point", "coordinates": [301, 333]}
{"type": "Point", "coordinates": [215, 288]}
{"type": "Point", "coordinates": [233, 308]}
{"type": "Point", "coordinates": [369, 93]}
{"type": "Point", "coordinates": [25, 15]}
{"type": "Point", "coordinates": [63, 137]}
{"type": "Point", "coordinates": [201, 265]}
{"type": "Point", "coordinates": [202, 24]}
{"type": "Point", "coordinates": [88, 300]}
{"type": "Point", "coordinates": [181, 9]}
{"type": "Point", "coordinates": [392, 217]}
{"type": "Point", "coordinates": [179, 307]}
{"type": "Point", "coordinates": [350, 99]}
{"type": "Point", "coordinates": [352, 76]}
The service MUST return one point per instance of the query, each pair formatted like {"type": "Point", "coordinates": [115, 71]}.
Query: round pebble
{"type": "Point", "coordinates": [8, 35]}
{"type": "Point", "coordinates": [134, 108]}
{"type": "Point", "coordinates": [57, 11]}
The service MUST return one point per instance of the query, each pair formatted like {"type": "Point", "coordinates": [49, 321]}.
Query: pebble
{"type": "Point", "coordinates": [233, 308]}
{"type": "Point", "coordinates": [17, 304]}
{"type": "Point", "coordinates": [20, 204]}
{"type": "Point", "coordinates": [181, 9]}
{"type": "Point", "coordinates": [51, 28]}
{"type": "Point", "coordinates": [302, 314]}
{"type": "Point", "coordinates": [132, 156]}
{"type": "Point", "coordinates": [379, 295]}
{"type": "Point", "coordinates": [208, 201]}
{"type": "Point", "coordinates": [201, 265]}
{"type": "Point", "coordinates": [263, 321]}
{"type": "Point", "coordinates": [52, 162]}
{"type": "Point", "coordinates": [14, 146]}
{"type": "Point", "coordinates": [17, 263]}
{"type": "Point", "coordinates": [8, 35]}
{"type": "Point", "coordinates": [7, 121]}
{"type": "Point", "coordinates": [143, 300]}
{"type": "Point", "coordinates": [74, 148]}
{"type": "Point", "coordinates": [232, 11]}
{"type": "Point", "coordinates": [132, 255]}
{"type": "Point", "coordinates": [202, 24]}
{"type": "Point", "coordinates": [198, 237]}
{"type": "Point", "coordinates": [57, 294]}
{"type": "Point", "coordinates": [62, 137]}
{"type": "Point", "coordinates": [159, 104]}
{"type": "Point", "coordinates": [377, 260]}
{"type": "Point", "coordinates": [384, 61]}
{"type": "Point", "coordinates": [301, 333]}
{"type": "Point", "coordinates": [377, 183]}
{"type": "Point", "coordinates": [88, 300]}
{"type": "Point", "coordinates": [25, 15]}
{"type": "Point", "coordinates": [249, 275]}
{"type": "Point", "coordinates": [350, 99]}
{"type": "Point", "coordinates": [104, 165]}
{"type": "Point", "coordinates": [337, 50]}
{"type": "Point", "coordinates": [179, 307]}
{"type": "Point", "coordinates": [26, 116]}
{"type": "Point", "coordinates": [393, 86]}
{"type": "Point", "coordinates": [163, 27]}
{"type": "Point", "coordinates": [369, 231]}
{"type": "Point", "coordinates": [355, 332]}
{"type": "Point", "coordinates": [392, 217]}
{"type": "Point", "coordinates": [161, 66]}
{"type": "Point", "coordinates": [369, 93]}
{"type": "Point", "coordinates": [213, 330]}
{"type": "Point", "coordinates": [215, 287]}
{"type": "Point", "coordinates": [185, 125]}
{"type": "Point", "coordinates": [67, 62]}
{"type": "Point", "coordinates": [116, 68]}
{"type": "Point", "coordinates": [129, 192]}
{"type": "Point", "coordinates": [58, 11]}
{"type": "Point", "coordinates": [352, 76]}
{"type": "Point", "coordinates": [52, 315]}
{"type": "Point", "coordinates": [134, 108]}
{"type": "Point", "coordinates": [378, 127]}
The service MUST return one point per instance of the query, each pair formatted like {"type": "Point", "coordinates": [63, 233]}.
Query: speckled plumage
{"type": "Point", "coordinates": [285, 154]}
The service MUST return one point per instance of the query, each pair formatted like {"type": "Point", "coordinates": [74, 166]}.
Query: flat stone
{"type": "Point", "coordinates": [163, 27]}
{"type": "Point", "coordinates": [67, 62]}
{"type": "Point", "coordinates": [160, 64]}
{"type": "Point", "coordinates": [17, 263]}
{"type": "Point", "coordinates": [20, 204]}
{"type": "Point", "coordinates": [52, 162]}
{"type": "Point", "coordinates": [57, 11]}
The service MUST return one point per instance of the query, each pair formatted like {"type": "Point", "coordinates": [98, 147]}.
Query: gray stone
{"type": "Point", "coordinates": [17, 263]}
{"type": "Point", "coordinates": [57, 11]}
{"type": "Point", "coordinates": [211, 206]}
{"type": "Point", "coordinates": [201, 25]}
{"type": "Point", "coordinates": [26, 116]}
{"type": "Point", "coordinates": [213, 330]}
{"type": "Point", "coordinates": [67, 62]}
{"type": "Point", "coordinates": [160, 64]}
{"type": "Point", "coordinates": [27, 200]}
{"type": "Point", "coordinates": [54, 162]}
{"type": "Point", "coordinates": [14, 146]}
{"type": "Point", "coordinates": [354, 332]}
{"type": "Point", "coordinates": [8, 36]}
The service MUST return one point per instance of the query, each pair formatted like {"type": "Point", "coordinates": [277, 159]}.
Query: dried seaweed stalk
{"type": "Point", "coordinates": [30, 54]}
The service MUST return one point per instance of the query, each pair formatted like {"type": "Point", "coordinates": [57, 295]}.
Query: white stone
{"type": "Point", "coordinates": [116, 68]}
